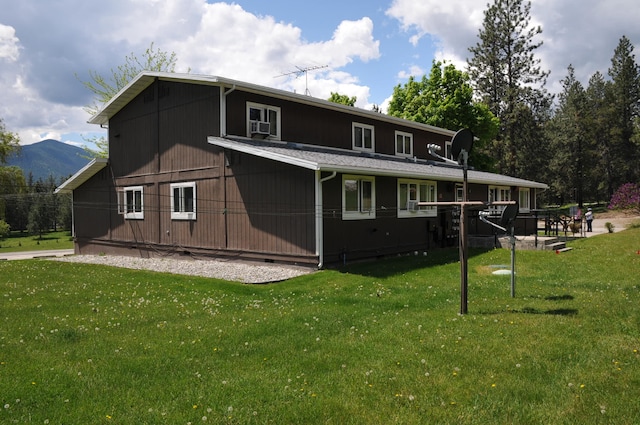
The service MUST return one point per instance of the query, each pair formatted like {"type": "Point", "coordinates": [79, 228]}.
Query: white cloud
{"type": "Point", "coordinates": [579, 32]}
{"type": "Point", "coordinates": [38, 68]}
{"type": "Point", "coordinates": [9, 48]}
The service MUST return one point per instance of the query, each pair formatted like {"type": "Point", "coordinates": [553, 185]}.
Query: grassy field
{"type": "Point", "coordinates": [376, 343]}
{"type": "Point", "coordinates": [23, 242]}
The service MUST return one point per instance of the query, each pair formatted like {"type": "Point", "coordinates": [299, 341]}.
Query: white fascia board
{"type": "Point", "coordinates": [264, 154]}
{"type": "Point", "coordinates": [84, 174]}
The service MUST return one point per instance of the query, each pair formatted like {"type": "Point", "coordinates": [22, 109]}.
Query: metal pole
{"type": "Point", "coordinates": [513, 264]}
{"type": "Point", "coordinates": [463, 240]}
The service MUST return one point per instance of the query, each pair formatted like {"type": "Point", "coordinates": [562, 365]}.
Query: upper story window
{"type": "Point", "coordinates": [263, 121]}
{"type": "Point", "coordinates": [183, 201]}
{"type": "Point", "coordinates": [131, 202]}
{"type": "Point", "coordinates": [447, 151]}
{"type": "Point", "coordinates": [358, 197]}
{"type": "Point", "coordinates": [524, 199]}
{"type": "Point", "coordinates": [363, 137]}
{"type": "Point", "coordinates": [404, 144]}
{"type": "Point", "coordinates": [411, 192]}
{"type": "Point", "coordinates": [498, 194]}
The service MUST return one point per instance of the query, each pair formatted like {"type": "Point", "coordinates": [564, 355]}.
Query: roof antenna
{"type": "Point", "coordinates": [300, 71]}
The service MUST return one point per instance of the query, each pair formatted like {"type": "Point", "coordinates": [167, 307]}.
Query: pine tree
{"type": "Point", "coordinates": [625, 76]}
{"type": "Point", "coordinates": [508, 78]}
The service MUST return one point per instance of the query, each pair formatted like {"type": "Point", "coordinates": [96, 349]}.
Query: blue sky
{"type": "Point", "coordinates": [368, 47]}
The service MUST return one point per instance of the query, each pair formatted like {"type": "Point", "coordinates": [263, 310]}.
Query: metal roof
{"type": "Point", "coordinates": [84, 174]}
{"type": "Point", "coordinates": [146, 78]}
{"type": "Point", "coordinates": [319, 158]}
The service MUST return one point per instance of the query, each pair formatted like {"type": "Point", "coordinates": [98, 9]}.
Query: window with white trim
{"type": "Point", "coordinates": [447, 150]}
{"type": "Point", "coordinates": [183, 201]}
{"type": "Point", "coordinates": [499, 194]}
{"type": "Point", "coordinates": [363, 137]}
{"type": "Point", "coordinates": [524, 199]}
{"type": "Point", "coordinates": [263, 121]}
{"type": "Point", "coordinates": [358, 197]}
{"type": "Point", "coordinates": [411, 192]}
{"type": "Point", "coordinates": [404, 144]}
{"type": "Point", "coordinates": [131, 202]}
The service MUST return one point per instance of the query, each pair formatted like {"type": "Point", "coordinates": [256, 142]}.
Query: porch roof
{"type": "Point", "coordinates": [319, 158]}
{"type": "Point", "coordinates": [84, 174]}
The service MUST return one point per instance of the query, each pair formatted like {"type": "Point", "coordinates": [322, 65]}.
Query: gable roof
{"type": "Point", "coordinates": [319, 158]}
{"type": "Point", "coordinates": [146, 78]}
{"type": "Point", "coordinates": [84, 174]}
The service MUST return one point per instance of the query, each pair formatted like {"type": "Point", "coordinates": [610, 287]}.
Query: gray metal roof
{"type": "Point", "coordinates": [321, 158]}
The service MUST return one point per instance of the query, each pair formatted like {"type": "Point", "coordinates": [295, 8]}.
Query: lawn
{"type": "Point", "coordinates": [374, 343]}
{"type": "Point", "coordinates": [19, 241]}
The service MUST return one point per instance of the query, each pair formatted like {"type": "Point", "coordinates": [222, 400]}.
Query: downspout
{"type": "Point", "coordinates": [319, 217]}
{"type": "Point", "coordinates": [223, 109]}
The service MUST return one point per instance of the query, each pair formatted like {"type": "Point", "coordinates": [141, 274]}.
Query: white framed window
{"type": "Point", "coordinates": [358, 197]}
{"type": "Point", "coordinates": [524, 199]}
{"type": "Point", "coordinates": [363, 137]}
{"type": "Point", "coordinates": [131, 202]}
{"type": "Point", "coordinates": [499, 194]}
{"type": "Point", "coordinates": [459, 193]}
{"type": "Point", "coordinates": [183, 201]}
{"type": "Point", "coordinates": [263, 121]}
{"type": "Point", "coordinates": [404, 144]}
{"type": "Point", "coordinates": [447, 150]}
{"type": "Point", "coordinates": [411, 192]}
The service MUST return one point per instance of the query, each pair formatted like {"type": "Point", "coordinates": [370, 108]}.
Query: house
{"type": "Point", "coordinates": [208, 166]}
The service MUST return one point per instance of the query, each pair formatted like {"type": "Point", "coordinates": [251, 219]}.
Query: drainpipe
{"type": "Point", "coordinates": [223, 109]}
{"type": "Point", "coordinates": [319, 218]}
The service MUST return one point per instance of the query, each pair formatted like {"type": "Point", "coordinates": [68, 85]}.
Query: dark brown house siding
{"type": "Point", "coordinates": [270, 207]}
{"type": "Point", "coordinates": [313, 125]}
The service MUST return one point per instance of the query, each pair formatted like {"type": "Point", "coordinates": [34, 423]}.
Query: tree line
{"type": "Point", "coordinates": [584, 143]}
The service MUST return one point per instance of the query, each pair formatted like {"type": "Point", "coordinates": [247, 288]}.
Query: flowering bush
{"type": "Point", "coordinates": [627, 197]}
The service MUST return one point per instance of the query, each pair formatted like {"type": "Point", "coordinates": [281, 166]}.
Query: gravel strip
{"type": "Point", "coordinates": [236, 271]}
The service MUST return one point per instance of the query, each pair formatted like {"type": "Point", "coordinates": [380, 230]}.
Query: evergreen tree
{"type": "Point", "coordinates": [571, 162]}
{"type": "Point", "coordinates": [508, 78]}
{"type": "Point", "coordinates": [625, 77]}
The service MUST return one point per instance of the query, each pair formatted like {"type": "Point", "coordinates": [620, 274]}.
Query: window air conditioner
{"type": "Point", "coordinates": [412, 205]}
{"type": "Point", "coordinates": [260, 127]}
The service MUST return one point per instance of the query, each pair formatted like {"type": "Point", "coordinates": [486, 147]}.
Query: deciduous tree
{"type": "Point", "coordinates": [445, 99]}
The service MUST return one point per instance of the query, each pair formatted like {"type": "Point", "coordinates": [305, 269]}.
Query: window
{"type": "Point", "coordinates": [447, 151]}
{"type": "Point", "coordinates": [524, 199]}
{"type": "Point", "coordinates": [410, 192]}
{"type": "Point", "coordinates": [404, 144]}
{"type": "Point", "coordinates": [497, 194]}
{"type": "Point", "coordinates": [363, 137]}
{"type": "Point", "coordinates": [183, 201]}
{"type": "Point", "coordinates": [358, 197]}
{"type": "Point", "coordinates": [131, 202]}
{"type": "Point", "coordinates": [263, 120]}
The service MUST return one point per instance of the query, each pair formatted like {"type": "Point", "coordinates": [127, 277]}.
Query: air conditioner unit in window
{"type": "Point", "coordinates": [260, 127]}
{"type": "Point", "coordinates": [412, 205]}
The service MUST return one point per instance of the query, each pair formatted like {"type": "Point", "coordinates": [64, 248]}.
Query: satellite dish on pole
{"type": "Point", "coordinates": [508, 216]}
{"type": "Point", "coordinates": [462, 141]}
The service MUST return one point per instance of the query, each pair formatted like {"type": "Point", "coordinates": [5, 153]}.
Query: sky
{"type": "Point", "coordinates": [354, 47]}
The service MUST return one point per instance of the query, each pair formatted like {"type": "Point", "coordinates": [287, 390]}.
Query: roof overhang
{"type": "Point", "coordinates": [319, 158]}
{"type": "Point", "coordinates": [84, 174]}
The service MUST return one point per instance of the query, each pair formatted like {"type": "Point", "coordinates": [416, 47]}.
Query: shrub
{"type": "Point", "coordinates": [627, 197]}
{"type": "Point", "coordinates": [4, 229]}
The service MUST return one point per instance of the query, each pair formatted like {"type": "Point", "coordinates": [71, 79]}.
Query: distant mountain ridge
{"type": "Point", "coordinates": [49, 158]}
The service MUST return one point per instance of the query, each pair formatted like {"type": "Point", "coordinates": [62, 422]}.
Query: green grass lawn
{"type": "Point", "coordinates": [375, 343]}
{"type": "Point", "coordinates": [19, 241]}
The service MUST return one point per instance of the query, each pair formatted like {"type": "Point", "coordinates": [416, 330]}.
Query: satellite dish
{"type": "Point", "coordinates": [462, 140]}
{"type": "Point", "coordinates": [508, 216]}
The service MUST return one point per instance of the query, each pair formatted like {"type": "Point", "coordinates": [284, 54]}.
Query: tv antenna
{"type": "Point", "coordinates": [300, 71]}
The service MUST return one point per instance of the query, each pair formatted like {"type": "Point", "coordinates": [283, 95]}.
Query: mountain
{"type": "Point", "coordinates": [49, 157]}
